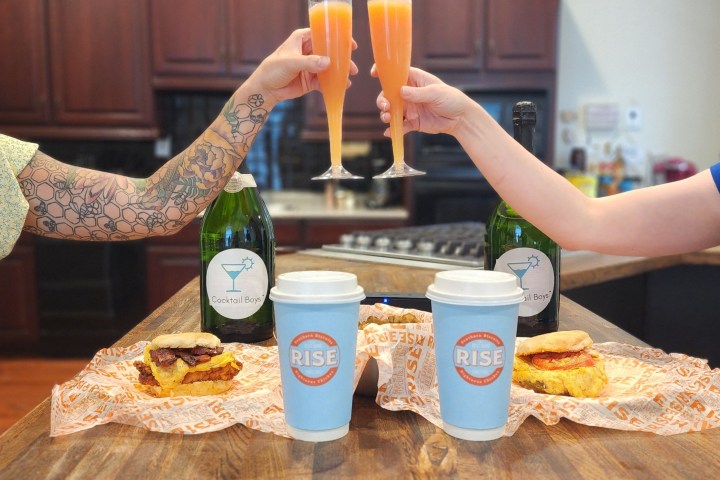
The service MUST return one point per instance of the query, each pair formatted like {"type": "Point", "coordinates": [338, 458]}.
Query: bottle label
{"type": "Point", "coordinates": [236, 283]}
{"type": "Point", "coordinates": [535, 274]}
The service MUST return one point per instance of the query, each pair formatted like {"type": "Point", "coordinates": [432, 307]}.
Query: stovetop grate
{"type": "Point", "coordinates": [459, 243]}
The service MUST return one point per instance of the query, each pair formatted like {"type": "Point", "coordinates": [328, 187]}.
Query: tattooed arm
{"type": "Point", "coordinates": [82, 204]}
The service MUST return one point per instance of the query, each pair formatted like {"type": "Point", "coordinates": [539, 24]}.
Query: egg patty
{"type": "Point", "coordinates": [584, 381]}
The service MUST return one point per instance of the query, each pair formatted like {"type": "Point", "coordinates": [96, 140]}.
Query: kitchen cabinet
{"type": "Point", "coordinates": [170, 263]}
{"type": "Point", "coordinates": [481, 36]}
{"type": "Point", "coordinates": [672, 308]}
{"type": "Point", "coordinates": [80, 69]}
{"type": "Point", "coordinates": [19, 326]}
{"type": "Point", "coordinates": [216, 44]}
{"type": "Point", "coordinates": [521, 34]}
{"type": "Point", "coordinates": [24, 87]}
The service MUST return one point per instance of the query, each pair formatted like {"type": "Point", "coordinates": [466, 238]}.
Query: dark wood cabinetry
{"type": "Point", "coordinates": [19, 330]}
{"type": "Point", "coordinates": [448, 35]}
{"type": "Point", "coordinates": [216, 44]}
{"type": "Point", "coordinates": [671, 308]}
{"type": "Point", "coordinates": [485, 36]}
{"type": "Point", "coordinates": [24, 87]}
{"type": "Point", "coordinates": [84, 76]}
{"type": "Point", "coordinates": [521, 35]}
{"type": "Point", "coordinates": [171, 262]}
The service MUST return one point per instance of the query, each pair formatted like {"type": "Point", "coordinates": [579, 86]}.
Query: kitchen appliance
{"type": "Point", "coordinates": [458, 244]}
{"type": "Point", "coordinates": [673, 169]}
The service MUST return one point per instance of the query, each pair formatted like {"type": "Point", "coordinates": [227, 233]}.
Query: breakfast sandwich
{"type": "Point", "coordinates": [186, 364]}
{"type": "Point", "coordinates": [560, 363]}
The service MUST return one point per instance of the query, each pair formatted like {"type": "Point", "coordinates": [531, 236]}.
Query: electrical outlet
{"type": "Point", "coordinates": [633, 118]}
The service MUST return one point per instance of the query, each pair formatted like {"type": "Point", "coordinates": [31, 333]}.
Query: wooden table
{"type": "Point", "coordinates": [381, 444]}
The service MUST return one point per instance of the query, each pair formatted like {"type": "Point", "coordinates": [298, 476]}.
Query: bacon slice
{"type": "Point", "coordinates": [226, 372]}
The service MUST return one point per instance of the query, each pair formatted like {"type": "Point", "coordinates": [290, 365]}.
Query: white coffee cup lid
{"type": "Point", "coordinates": [317, 286]}
{"type": "Point", "coordinates": [475, 287]}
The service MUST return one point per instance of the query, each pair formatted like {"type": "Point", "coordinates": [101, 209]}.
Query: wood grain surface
{"type": "Point", "coordinates": [380, 444]}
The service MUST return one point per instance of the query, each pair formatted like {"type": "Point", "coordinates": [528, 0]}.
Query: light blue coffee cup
{"type": "Point", "coordinates": [316, 324]}
{"type": "Point", "coordinates": [475, 315]}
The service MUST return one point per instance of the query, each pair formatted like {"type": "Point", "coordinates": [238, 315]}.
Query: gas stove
{"type": "Point", "coordinates": [447, 245]}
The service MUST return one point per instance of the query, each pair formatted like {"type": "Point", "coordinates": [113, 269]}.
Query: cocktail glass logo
{"type": "Point", "coordinates": [479, 358]}
{"type": "Point", "coordinates": [521, 268]}
{"type": "Point", "coordinates": [314, 358]}
{"type": "Point", "coordinates": [235, 269]}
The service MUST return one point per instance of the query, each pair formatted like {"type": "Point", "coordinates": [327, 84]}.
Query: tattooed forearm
{"type": "Point", "coordinates": [245, 120]}
{"type": "Point", "coordinates": [82, 204]}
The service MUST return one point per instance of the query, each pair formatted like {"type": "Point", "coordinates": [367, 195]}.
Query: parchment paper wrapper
{"type": "Point", "coordinates": [648, 389]}
{"type": "Point", "coordinates": [105, 392]}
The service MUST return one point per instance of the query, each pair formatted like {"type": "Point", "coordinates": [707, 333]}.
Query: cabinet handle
{"type": "Point", "coordinates": [491, 47]}
{"type": "Point", "coordinates": [223, 53]}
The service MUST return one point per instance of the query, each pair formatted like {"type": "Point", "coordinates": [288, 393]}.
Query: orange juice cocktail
{"type": "Point", "coordinates": [331, 32]}
{"type": "Point", "coordinates": [391, 36]}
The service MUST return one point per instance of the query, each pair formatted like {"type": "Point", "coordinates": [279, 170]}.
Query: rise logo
{"type": "Point", "coordinates": [314, 358]}
{"type": "Point", "coordinates": [479, 358]}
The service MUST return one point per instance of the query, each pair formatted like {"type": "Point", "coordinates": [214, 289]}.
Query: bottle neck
{"type": "Point", "coordinates": [524, 132]}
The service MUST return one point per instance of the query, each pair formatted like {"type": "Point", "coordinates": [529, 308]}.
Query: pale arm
{"type": "Point", "coordinates": [672, 218]}
{"type": "Point", "coordinates": [661, 220]}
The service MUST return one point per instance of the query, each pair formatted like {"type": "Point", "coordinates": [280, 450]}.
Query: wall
{"type": "Point", "coordinates": [658, 55]}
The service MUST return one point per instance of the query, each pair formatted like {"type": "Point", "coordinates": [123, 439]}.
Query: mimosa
{"type": "Point", "coordinates": [331, 32]}
{"type": "Point", "coordinates": [391, 35]}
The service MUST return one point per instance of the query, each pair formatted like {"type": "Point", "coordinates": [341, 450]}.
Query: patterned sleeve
{"type": "Point", "coordinates": [14, 156]}
{"type": "Point", "coordinates": [715, 171]}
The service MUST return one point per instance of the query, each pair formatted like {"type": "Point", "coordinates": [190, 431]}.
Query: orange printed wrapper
{"type": "Point", "coordinates": [105, 391]}
{"type": "Point", "coordinates": [648, 390]}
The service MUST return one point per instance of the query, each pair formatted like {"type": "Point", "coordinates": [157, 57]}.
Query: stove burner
{"type": "Point", "coordinates": [451, 243]}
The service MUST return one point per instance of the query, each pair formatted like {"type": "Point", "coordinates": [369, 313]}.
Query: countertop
{"type": "Point", "coordinates": [305, 205]}
{"type": "Point", "coordinates": [381, 444]}
{"type": "Point", "coordinates": [577, 269]}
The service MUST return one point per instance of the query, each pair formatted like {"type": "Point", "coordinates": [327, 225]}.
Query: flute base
{"type": "Point", "coordinates": [397, 171]}
{"type": "Point", "coordinates": [338, 172]}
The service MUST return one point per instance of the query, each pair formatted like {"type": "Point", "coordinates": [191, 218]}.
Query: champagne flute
{"type": "Point", "coordinates": [391, 36]}
{"type": "Point", "coordinates": [331, 33]}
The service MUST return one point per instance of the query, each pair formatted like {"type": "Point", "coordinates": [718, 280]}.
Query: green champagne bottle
{"type": "Point", "coordinates": [514, 245]}
{"type": "Point", "coordinates": [237, 252]}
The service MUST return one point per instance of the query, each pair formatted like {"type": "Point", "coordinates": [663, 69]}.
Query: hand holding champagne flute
{"type": "Point", "coordinates": [391, 36]}
{"type": "Point", "coordinates": [331, 32]}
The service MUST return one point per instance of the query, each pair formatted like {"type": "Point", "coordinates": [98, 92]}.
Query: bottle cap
{"type": "Point", "coordinates": [239, 181]}
{"type": "Point", "coordinates": [524, 111]}
{"type": "Point", "coordinates": [475, 287]}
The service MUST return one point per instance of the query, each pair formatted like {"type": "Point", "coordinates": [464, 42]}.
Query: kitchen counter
{"type": "Point", "coordinates": [577, 269]}
{"type": "Point", "coordinates": [304, 205]}
{"type": "Point", "coordinates": [580, 269]}
{"type": "Point", "coordinates": [381, 444]}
